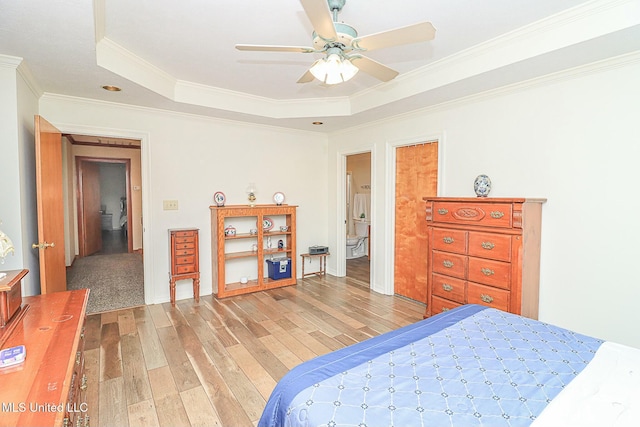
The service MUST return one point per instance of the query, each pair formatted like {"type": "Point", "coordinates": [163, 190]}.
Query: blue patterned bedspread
{"type": "Point", "coordinates": [471, 366]}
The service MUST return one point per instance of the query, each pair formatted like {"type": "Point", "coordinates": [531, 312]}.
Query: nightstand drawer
{"type": "Point", "coordinates": [490, 245]}
{"type": "Point", "coordinates": [187, 233]}
{"type": "Point", "coordinates": [449, 288]}
{"type": "Point", "coordinates": [489, 272]}
{"type": "Point", "coordinates": [450, 240]}
{"type": "Point", "coordinates": [487, 214]}
{"type": "Point", "coordinates": [450, 264]}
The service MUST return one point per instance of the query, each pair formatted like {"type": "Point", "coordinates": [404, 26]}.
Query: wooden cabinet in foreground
{"type": "Point", "coordinates": [49, 387]}
{"type": "Point", "coordinates": [483, 251]}
{"type": "Point", "coordinates": [253, 248]}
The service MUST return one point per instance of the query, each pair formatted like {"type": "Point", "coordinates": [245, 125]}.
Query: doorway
{"type": "Point", "coordinates": [107, 203]}
{"type": "Point", "coordinates": [358, 217]}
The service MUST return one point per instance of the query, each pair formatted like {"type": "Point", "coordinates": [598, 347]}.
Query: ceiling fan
{"type": "Point", "coordinates": [342, 46]}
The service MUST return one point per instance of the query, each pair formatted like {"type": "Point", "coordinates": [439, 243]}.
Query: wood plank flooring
{"type": "Point", "coordinates": [215, 363]}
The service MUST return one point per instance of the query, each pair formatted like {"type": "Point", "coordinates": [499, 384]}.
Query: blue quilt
{"type": "Point", "coordinates": [471, 366]}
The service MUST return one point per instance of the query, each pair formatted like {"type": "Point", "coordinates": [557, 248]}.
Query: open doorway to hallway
{"type": "Point", "coordinates": [106, 217]}
{"type": "Point", "coordinates": [358, 217]}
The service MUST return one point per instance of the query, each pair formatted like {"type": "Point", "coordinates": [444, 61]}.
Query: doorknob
{"type": "Point", "coordinates": [44, 245]}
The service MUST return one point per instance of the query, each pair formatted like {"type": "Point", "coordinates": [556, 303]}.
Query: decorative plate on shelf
{"type": "Point", "coordinates": [267, 223]}
{"type": "Point", "coordinates": [278, 198]}
{"type": "Point", "coordinates": [219, 198]}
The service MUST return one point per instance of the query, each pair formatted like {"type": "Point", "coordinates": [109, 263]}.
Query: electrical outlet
{"type": "Point", "coordinates": [170, 205]}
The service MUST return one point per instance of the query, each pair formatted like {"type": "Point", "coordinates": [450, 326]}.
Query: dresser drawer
{"type": "Point", "coordinates": [487, 295]}
{"type": "Point", "coordinates": [485, 214]}
{"type": "Point", "coordinates": [186, 268]}
{"type": "Point", "coordinates": [490, 245]}
{"type": "Point", "coordinates": [180, 240]}
{"type": "Point", "coordinates": [489, 272]}
{"type": "Point", "coordinates": [449, 264]}
{"type": "Point", "coordinates": [190, 259]}
{"type": "Point", "coordinates": [450, 240]}
{"type": "Point", "coordinates": [185, 252]}
{"type": "Point", "coordinates": [186, 233]}
{"type": "Point", "coordinates": [449, 288]}
{"type": "Point", "coordinates": [187, 245]}
{"type": "Point", "coordinates": [440, 305]}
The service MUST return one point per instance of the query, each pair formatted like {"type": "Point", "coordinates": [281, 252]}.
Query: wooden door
{"type": "Point", "coordinates": [90, 216]}
{"type": "Point", "coordinates": [416, 177]}
{"type": "Point", "coordinates": [49, 197]}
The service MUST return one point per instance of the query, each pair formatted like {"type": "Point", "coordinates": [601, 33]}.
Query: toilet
{"type": "Point", "coordinates": [357, 246]}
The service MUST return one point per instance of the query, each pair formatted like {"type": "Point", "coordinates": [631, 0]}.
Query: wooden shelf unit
{"type": "Point", "coordinates": [232, 256]}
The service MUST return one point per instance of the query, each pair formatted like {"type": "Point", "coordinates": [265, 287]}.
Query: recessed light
{"type": "Point", "coordinates": [111, 88]}
{"type": "Point", "coordinates": [317, 123]}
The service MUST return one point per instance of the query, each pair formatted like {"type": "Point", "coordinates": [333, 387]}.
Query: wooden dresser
{"type": "Point", "coordinates": [483, 251]}
{"type": "Point", "coordinates": [184, 260]}
{"type": "Point", "coordinates": [49, 387]}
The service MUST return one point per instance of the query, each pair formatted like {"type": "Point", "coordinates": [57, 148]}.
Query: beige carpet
{"type": "Point", "coordinates": [116, 281]}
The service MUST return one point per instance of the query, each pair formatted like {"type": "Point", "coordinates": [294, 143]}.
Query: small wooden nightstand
{"type": "Point", "coordinates": [184, 260]}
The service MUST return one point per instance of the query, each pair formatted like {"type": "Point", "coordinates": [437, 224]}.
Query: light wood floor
{"type": "Point", "coordinates": [215, 363]}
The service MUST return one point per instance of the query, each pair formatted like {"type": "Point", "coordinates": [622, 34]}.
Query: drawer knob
{"type": "Point", "coordinates": [83, 383]}
{"type": "Point", "coordinates": [487, 271]}
{"type": "Point", "coordinates": [496, 214]}
{"type": "Point", "coordinates": [486, 298]}
{"type": "Point", "coordinates": [447, 240]}
{"type": "Point", "coordinates": [443, 211]}
{"type": "Point", "coordinates": [78, 356]}
{"type": "Point", "coordinates": [444, 309]}
{"type": "Point", "coordinates": [487, 245]}
{"type": "Point", "coordinates": [447, 287]}
{"type": "Point", "coordinates": [447, 263]}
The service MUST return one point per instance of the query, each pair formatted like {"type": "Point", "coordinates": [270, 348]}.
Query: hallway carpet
{"type": "Point", "coordinates": [115, 280]}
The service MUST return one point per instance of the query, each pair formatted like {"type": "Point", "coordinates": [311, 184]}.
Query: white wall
{"type": "Point", "coordinates": [573, 139]}
{"type": "Point", "coordinates": [188, 158]}
{"type": "Point", "coordinates": [18, 104]}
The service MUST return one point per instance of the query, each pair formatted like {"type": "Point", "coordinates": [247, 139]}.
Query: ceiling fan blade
{"type": "Point", "coordinates": [318, 13]}
{"type": "Point", "coordinates": [374, 68]}
{"type": "Point", "coordinates": [415, 33]}
{"type": "Point", "coordinates": [269, 48]}
{"type": "Point", "coordinates": [306, 77]}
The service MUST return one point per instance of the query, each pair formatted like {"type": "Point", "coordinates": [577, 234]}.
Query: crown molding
{"type": "Point", "coordinates": [576, 25]}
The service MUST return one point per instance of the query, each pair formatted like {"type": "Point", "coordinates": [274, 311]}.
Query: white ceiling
{"type": "Point", "coordinates": [180, 56]}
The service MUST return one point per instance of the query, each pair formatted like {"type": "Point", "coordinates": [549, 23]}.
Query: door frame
{"type": "Point", "coordinates": [80, 197]}
{"type": "Point", "coordinates": [388, 285]}
{"type": "Point", "coordinates": [144, 137]}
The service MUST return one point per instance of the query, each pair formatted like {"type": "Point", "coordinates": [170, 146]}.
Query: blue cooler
{"type": "Point", "coordinates": [279, 268]}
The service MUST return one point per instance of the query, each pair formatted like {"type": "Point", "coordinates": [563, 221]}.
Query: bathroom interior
{"type": "Point", "coordinates": [358, 214]}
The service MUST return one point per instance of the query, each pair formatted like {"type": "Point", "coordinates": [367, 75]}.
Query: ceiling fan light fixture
{"type": "Point", "coordinates": [333, 69]}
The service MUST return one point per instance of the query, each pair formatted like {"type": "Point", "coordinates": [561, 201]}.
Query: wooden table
{"type": "Point", "coordinates": [323, 264]}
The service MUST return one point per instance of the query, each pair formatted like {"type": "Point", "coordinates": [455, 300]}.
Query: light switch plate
{"type": "Point", "coordinates": [170, 205]}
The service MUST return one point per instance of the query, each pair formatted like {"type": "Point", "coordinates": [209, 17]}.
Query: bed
{"type": "Point", "coordinates": [470, 366]}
